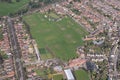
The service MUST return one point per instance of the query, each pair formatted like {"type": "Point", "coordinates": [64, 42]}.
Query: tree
{"type": "Point", "coordinates": [9, 1]}
{"type": "Point", "coordinates": [77, 0]}
{"type": "Point", "coordinates": [1, 59]}
{"type": "Point", "coordinates": [17, 0]}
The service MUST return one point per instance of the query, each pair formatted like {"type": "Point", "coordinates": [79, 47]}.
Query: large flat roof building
{"type": "Point", "coordinates": [69, 74]}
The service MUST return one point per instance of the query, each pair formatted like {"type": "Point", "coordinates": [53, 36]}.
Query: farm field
{"type": "Point", "coordinates": [81, 75]}
{"type": "Point", "coordinates": [6, 8]}
{"type": "Point", "coordinates": [60, 39]}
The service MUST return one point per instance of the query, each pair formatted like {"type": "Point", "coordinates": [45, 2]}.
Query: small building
{"type": "Point", "coordinates": [58, 68]}
{"type": "Point", "coordinates": [69, 74]}
{"type": "Point", "coordinates": [77, 62]}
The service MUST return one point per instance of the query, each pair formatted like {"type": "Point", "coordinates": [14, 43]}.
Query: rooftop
{"type": "Point", "coordinates": [69, 74]}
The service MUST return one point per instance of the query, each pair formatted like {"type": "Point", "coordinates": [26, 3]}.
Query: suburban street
{"type": "Point", "coordinates": [113, 61]}
{"type": "Point", "coordinates": [16, 52]}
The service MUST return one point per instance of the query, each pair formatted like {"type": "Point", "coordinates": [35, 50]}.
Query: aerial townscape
{"type": "Point", "coordinates": [59, 39]}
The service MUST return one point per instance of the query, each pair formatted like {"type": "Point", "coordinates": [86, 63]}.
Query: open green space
{"type": "Point", "coordinates": [1, 34]}
{"type": "Point", "coordinates": [81, 75]}
{"type": "Point", "coordinates": [58, 77]}
{"type": "Point", "coordinates": [53, 15]}
{"type": "Point", "coordinates": [42, 72]}
{"type": "Point", "coordinates": [60, 39]}
{"type": "Point", "coordinates": [45, 54]}
{"type": "Point", "coordinates": [6, 8]}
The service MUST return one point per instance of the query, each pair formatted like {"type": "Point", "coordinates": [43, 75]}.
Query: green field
{"type": "Point", "coordinates": [81, 75]}
{"type": "Point", "coordinates": [6, 8]}
{"type": "Point", "coordinates": [58, 77]}
{"type": "Point", "coordinates": [53, 15]}
{"type": "Point", "coordinates": [59, 38]}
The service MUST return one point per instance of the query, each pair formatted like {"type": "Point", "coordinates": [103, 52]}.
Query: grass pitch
{"type": "Point", "coordinates": [6, 8]}
{"type": "Point", "coordinates": [58, 77]}
{"type": "Point", "coordinates": [59, 38]}
{"type": "Point", "coordinates": [81, 75]}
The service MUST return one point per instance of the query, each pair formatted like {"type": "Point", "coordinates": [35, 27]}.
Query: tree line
{"type": "Point", "coordinates": [9, 1]}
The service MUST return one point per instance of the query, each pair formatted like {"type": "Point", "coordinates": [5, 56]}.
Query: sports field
{"type": "Point", "coordinates": [58, 77]}
{"type": "Point", "coordinates": [6, 8]}
{"type": "Point", "coordinates": [57, 38]}
{"type": "Point", "coordinates": [81, 75]}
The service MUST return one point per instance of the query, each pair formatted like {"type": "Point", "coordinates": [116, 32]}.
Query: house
{"type": "Point", "coordinates": [69, 74]}
{"type": "Point", "coordinates": [98, 42]}
{"type": "Point", "coordinates": [58, 68]}
{"type": "Point", "coordinates": [97, 57]}
{"type": "Point", "coordinates": [77, 62]}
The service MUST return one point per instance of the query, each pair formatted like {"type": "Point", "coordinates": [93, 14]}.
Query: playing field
{"type": "Point", "coordinates": [59, 38]}
{"type": "Point", "coordinates": [58, 77]}
{"type": "Point", "coordinates": [6, 8]}
{"type": "Point", "coordinates": [81, 75]}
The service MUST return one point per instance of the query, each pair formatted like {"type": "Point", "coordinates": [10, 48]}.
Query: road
{"type": "Point", "coordinates": [20, 74]}
{"type": "Point", "coordinates": [113, 60]}
{"type": "Point", "coordinates": [36, 50]}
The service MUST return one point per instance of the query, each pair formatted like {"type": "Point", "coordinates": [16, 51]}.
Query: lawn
{"type": "Point", "coordinates": [59, 38]}
{"type": "Point", "coordinates": [81, 75]}
{"type": "Point", "coordinates": [6, 8]}
{"type": "Point", "coordinates": [53, 15]}
{"type": "Point", "coordinates": [46, 54]}
{"type": "Point", "coordinates": [58, 77]}
{"type": "Point", "coordinates": [42, 72]}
